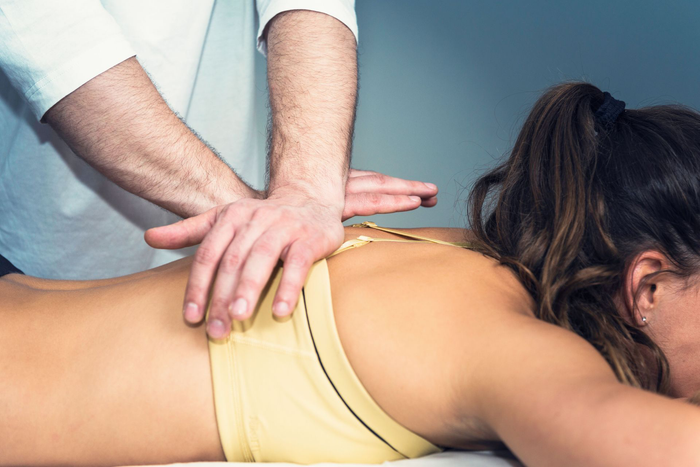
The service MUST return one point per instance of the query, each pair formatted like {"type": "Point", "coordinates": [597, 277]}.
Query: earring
{"type": "Point", "coordinates": [644, 319]}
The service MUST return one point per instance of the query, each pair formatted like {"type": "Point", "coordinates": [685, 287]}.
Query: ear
{"type": "Point", "coordinates": [642, 283]}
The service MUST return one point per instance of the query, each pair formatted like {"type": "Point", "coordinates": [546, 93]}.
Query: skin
{"type": "Point", "coordinates": [670, 306]}
{"type": "Point", "coordinates": [459, 343]}
{"type": "Point", "coordinates": [312, 76]}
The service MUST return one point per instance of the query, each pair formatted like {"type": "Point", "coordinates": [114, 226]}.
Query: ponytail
{"type": "Point", "coordinates": [544, 214]}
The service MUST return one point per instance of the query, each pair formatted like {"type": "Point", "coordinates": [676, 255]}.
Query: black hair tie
{"type": "Point", "coordinates": [609, 110]}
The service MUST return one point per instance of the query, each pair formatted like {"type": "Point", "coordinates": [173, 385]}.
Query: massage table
{"type": "Point", "coordinates": [443, 459]}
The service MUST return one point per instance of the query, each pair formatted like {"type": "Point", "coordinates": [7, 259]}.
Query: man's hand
{"type": "Point", "coordinates": [368, 193]}
{"type": "Point", "coordinates": [242, 242]}
{"type": "Point", "coordinates": [312, 81]}
{"type": "Point", "coordinates": [245, 241]}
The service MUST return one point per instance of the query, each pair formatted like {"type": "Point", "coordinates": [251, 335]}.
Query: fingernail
{"type": "Point", "coordinates": [280, 308]}
{"type": "Point", "coordinates": [191, 312]}
{"type": "Point", "coordinates": [239, 307]}
{"type": "Point", "coordinates": [430, 185]}
{"type": "Point", "coordinates": [216, 329]}
{"type": "Point", "coordinates": [414, 198]}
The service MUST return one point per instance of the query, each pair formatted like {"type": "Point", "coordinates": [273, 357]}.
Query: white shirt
{"type": "Point", "coordinates": [60, 218]}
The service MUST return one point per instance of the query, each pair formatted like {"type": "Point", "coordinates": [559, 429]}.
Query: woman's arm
{"type": "Point", "coordinates": [554, 401]}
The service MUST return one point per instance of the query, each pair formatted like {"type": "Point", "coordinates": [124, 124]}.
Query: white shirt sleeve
{"type": "Point", "coordinates": [342, 10]}
{"type": "Point", "coordinates": [48, 49]}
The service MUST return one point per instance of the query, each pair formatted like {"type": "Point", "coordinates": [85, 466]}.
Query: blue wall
{"type": "Point", "coordinates": [445, 84]}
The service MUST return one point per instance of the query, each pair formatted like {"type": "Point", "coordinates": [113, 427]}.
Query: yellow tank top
{"type": "Point", "coordinates": [286, 392]}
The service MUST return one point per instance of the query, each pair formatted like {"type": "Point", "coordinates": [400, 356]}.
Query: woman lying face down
{"type": "Point", "coordinates": [565, 329]}
{"type": "Point", "coordinates": [599, 215]}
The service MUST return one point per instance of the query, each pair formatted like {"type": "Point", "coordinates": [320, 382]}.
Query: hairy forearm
{"type": "Point", "coordinates": [119, 124]}
{"type": "Point", "coordinates": [312, 76]}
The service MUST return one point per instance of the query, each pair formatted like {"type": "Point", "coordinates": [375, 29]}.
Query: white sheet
{"type": "Point", "coordinates": [443, 459]}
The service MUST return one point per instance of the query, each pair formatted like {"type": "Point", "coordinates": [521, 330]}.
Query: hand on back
{"type": "Point", "coordinates": [242, 242]}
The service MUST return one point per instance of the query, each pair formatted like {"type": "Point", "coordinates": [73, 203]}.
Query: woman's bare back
{"type": "Point", "coordinates": [103, 372]}
{"type": "Point", "coordinates": [410, 317]}
{"type": "Point", "coordinates": [107, 372]}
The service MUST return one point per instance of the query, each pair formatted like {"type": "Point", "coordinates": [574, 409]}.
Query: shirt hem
{"type": "Point", "coordinates": [332, 8]}
{"type": "Point", "coordinates": [60, 82]}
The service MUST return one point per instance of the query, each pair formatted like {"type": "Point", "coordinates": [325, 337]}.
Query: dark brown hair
{"type": "Point", "coordinates": [576, 201]}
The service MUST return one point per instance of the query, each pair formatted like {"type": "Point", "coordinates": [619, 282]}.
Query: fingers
{"type": "Point", "coordinates": [264, 256]}
{"type": "Point", "coordinates": [368, 204]}
{"type": "Point", "coordinates": [181, 234]}
{"type": "Point", "coordinates": [241, 244]}
{"type": "Point", "coordinates": [204, 265]}
{"type": "Point", "coordinates": [224, 307]}
{"type": "Point", "coordinates": [240, 282]}
{"type": "Point", "coordinates": [244, 272]}
{"type": "Point", "coordinates": [384, 184]}
{"type": "Point", "coordinates": [297, 262]}
{"type": "Point", "coordinates": [430, 202]}
{"type": "Point", "coordinates": [368, 193]}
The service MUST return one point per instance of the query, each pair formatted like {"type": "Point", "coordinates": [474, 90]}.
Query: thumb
{"type": "Point", "coordinates": [181, 234]}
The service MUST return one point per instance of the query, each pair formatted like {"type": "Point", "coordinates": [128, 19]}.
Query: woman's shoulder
{"type": "Point", "coordinates": [436, 332]}
{"type": "Point", "coordinates": [446, 274]}
{"type": "Point", "coordinates": [423, 308]}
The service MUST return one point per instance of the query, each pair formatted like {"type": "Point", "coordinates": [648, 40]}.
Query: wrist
{"type": "Point", "coordinates": [303, 193]}
{"type": "Point", "coordinates": [229, 192]}
{"type": "Point", "coordinates": [216, 186]}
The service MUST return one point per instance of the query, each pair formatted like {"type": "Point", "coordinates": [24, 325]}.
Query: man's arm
{"type": "Point", "coordinates": [312, 81]}
{"type": "Point", "coordinates": [312, 78]}
{"type": "Point", "coordinates": [312, 75]}
{"type": "Point", "coordinates": [119, 123]}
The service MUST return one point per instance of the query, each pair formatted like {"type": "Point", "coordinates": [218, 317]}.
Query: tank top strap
{"type": "Point", "coordinates": [364, 240]}
{"type": "Point", "coordinates": [372, 225]}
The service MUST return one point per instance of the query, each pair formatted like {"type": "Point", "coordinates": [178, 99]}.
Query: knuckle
{"type": "Point", "coordinates": [291, 286]}
{"type": "Point", "coordinates": [230, 262]}
{"type": "Point", "coordinates": [374, 199]}
{"type": "Point", "coordinates": [265, 248]}
{"type": "Point", "coordinates": [233, 213]}
{"type": "Point", "coordinates": [205, 256]}
{"type": "Point", "coordinates": [297, 260]}
{"type": "Point", "coordinates": [229, 210]}
{"type": "Point", "coordinates": [248, 284]}
{"type": "Point", "coordinates": [195, 292]}
{"type": "Point", "coordinates": [411, 188]}
{"type": "Point", "coordinates": [265, 214]}
{"type": "Point", "coordinates": [379, 179]}
{"type": "Point", "coordinates": [304, 231]}
{"type": "Point", "coordinates": [219, 306]}
{"type": "Point", "coordinates": [260, 214]}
